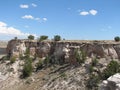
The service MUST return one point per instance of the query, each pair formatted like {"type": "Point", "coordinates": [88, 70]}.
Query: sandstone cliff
{"type": "Point", "coordinates": [66, 49]}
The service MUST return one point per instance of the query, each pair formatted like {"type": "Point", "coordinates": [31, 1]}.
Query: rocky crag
{"type": "Point", "coordinates": [65, 49]}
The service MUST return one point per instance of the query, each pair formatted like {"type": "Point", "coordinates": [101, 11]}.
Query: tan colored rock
{"type": "Point", "coordinates": [43, 49]}
{"type": "Point", "coordinates": [65, 49]}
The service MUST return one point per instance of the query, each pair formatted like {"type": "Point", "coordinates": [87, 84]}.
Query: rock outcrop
{"type": "Point", "coordinates": [101, 49]}
{"type": "Point", "coordinates": [112, 83]}
{"type": "Point", "coordinates": [65, 49]}
{"type": "Point", "coordinates": [16, 47]}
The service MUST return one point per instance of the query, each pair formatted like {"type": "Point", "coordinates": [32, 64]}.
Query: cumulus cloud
{"type": "Point", "coordinates": [44, 19]}
{"type": "Point", "coordinates": [27, 17]}
{"type": "Point", "coordinates": [93, 12]}
{"type": "Point", "coordinates": [11, 31]}
{"type": "Point", "coordinates": [84, 13]}
{"type": "Point", "coordinates": [34, 18]}
{"type": "Point", "coordinates": [34, 5]}
{"type": "Point", "coordinates": [90, 12]}
{"type": "Point", "coordinates": [31, 17]}
{"type": "Point", "coordinates": [24, 6]}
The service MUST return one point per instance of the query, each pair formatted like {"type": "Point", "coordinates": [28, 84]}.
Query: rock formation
{"type": "Point", "coordinates": [112, 83]}
{"type": "Point", "coordinates": [65, 49]}
{"type": "Point", "coordinates": [16, 47]}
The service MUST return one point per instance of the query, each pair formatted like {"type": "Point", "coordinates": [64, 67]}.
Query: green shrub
{"type": "Point", "coordinates": [27, 52]}
{"type": "Point", "coordinates": [39, 65]}
{"type": "Point", "coordinates": [117, 38]}
{"type": "Point", "coordinates": [91, 69]}
{"type": "Point", "coordinates": [12, 59]}
{"type": "Point", "coordinates": [80, 56]}
{"type": "Point", "coordinates": [57, 38]}
{"type": "Point", "coordinates": [5, 58]}
{"type": "Point", "coordinates": [31, 37]}
{"type": "Point", "coordinates": [46, 61]}
{"type": "Point", "coordinates": [27, 69]}
{"type": "Point", "coordinates": [77, 56]}
{"type": "Point", "coordinates": [21, 57]}
{"type": "Point", "coordinates": [83, 56]}
{"type": "Point", "coordinates": [112, 68]}
{"type": "Point", "coordinates": [43, 37]}
{"type": "Point", "coordinates": [15, 38]}
{"type": "Point", "coordinates": [94, 62]}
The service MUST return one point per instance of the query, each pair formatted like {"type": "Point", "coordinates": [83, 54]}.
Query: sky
{"type": "Point", "coordinates": [71, 19]}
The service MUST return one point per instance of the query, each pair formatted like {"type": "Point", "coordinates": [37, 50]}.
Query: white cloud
{"type": "Point", "coordinates": [30, 17]}
{"type": "Point", "coordinates": [34, 5]}
{"type": "Point", "coordinates": [93, 12]}
{"type": "Point", "coordinates": [2, 24]}
{"type": "Point", "coordinates": [90, 12]}
{"type": "Point", "coordinates": [34, 18]}
{"type": "Point", "coordinates": [11, 31]}
{"type": "Point", "coordinates": [84, 13]}
{"type": "Point", "coordinates": [27, 17]}
{"type": "Point", "coordinates": [24, 6]}
{"type": "Point", "coordinates": [44, 19]}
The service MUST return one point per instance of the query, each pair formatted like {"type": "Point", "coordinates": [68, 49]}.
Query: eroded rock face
{"type": "Point", "coordinates": [112, 83]}
{"type": "Point", "coordinates": [65, 50]}
{"type": "Point", "coordinates": [43, 49]}
{"type": "Point", "coordinates": [117, 49]}
{"type": "Point", "coordinates": [16, 47]}
{"type": "Point", "coordinates": [62, 52]}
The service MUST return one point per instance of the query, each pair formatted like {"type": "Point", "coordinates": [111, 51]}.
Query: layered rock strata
{"type": "Point", "coordinates": [65, 50]}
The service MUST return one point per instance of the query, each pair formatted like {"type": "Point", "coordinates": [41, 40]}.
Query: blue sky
{"type": "Point", "coordinates": [72, 19]}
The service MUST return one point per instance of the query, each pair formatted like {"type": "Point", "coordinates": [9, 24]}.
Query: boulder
{"type": "Point", "coordinates": [112, 83]}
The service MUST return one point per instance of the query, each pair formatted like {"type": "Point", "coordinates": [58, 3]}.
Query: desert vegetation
{"type": "Point", "coordinates": [43, 37]}
{"type": "Point", "coordinates": [31, 37]}
{"type": "Point", "coordinates": [27, 69]}
{"type": "Point", "coordinates": [95, 78]}
{"type": "Point", "coordinates": [80, 56]}
{"type": "Point", "coordinates": [112, 68]}
{"type": "Point", "coordinates": [117, 38]}
{"type": "Point", "coordinates": [12, 59]}
{"type": "Point", "coordinates": [57, 38]}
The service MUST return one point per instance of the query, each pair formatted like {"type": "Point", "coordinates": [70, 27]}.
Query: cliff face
{"type": "Point", "coordinates": [65, 50]}
{"type": "Point", "coordinates": [16, 47]}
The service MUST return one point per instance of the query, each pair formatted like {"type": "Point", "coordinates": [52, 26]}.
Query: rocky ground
{"type": "Point", "coordinates": [57, 77]}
